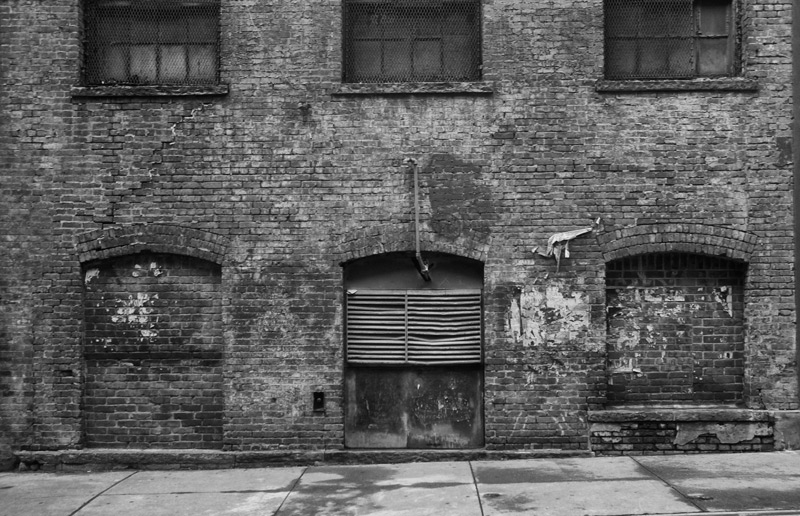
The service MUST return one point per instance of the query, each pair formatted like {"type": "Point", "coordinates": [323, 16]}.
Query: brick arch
{"type": "Point", "coordinates": [393, 238]}
{"type": "Point", "coordinates": [159, 238]}
{"type": "Point", "coordinates": [688, 238]}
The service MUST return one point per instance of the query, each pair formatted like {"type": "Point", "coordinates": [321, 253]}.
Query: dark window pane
{"type": "Point", "coordinates": [712, 56]}
{"type": "Point", "coordinates": [397, 58]}
{"type": "Point", "coordinates": [201, 28]}
{"type": "Point", "coordinates": [680, 59]}
{"type": "Point", "coordinates": [365, 24]}
{"type": "Point", "coordinates": [172, 31]}
{"type": "Point", "coordinates": [654, 57]}
{"type": "Point", "coordinates": [428, 58]}
{"type": "Point", "coordinates": [368, 59]}
{"type": "Point", "coordinates": [713, 17]}
{"type": "Point", "coordinates": [144, 30]}
{"type": "Point", "coordinates": [457, 61]}
{"type": "Point", "coordinates": [623, 19]}
{"type": "Point", "coordinates": [621, 59]}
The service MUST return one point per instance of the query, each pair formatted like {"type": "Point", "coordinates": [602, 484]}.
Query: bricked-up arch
{"type": "Point", "coordinates": [687, 238]}
{"type": "Point", "coordinates": [158, 238]}
{"type": "Point", "coordinates": [153, 352]}
{"type": "Point", "coordinates": [675, 329]}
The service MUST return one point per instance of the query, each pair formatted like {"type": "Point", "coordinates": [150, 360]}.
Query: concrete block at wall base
{"type": "Point", "coordinates": [8, 460]}
{"type": "Point", "coordinates": [787, 430]}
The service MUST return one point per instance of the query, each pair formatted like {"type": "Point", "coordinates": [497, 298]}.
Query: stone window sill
{"type": "Point", "coordinates": [715, 84]}
{"type": "Point", "coordinates": [416, 88]}
{"type": "Point", "coordinates": [149, 91]}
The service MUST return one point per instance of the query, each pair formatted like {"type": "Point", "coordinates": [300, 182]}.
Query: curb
{"type": "Point", "coordinates": [103, 459]}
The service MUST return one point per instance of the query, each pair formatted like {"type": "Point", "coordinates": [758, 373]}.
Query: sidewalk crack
{"type": "Point", "coordinates": [291, 490]}
{"type": "Point", "coordinates": [101, 493]}
{"type": "Point", "coordinates": [683, 495]}
{"type": "Point", "coordinates": [477, 490]}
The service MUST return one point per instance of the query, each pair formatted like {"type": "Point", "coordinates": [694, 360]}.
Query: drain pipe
{"type": "Point", "coordinates": [423, 267]}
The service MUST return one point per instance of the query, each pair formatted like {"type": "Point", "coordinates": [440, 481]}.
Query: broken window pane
{"type": "Point", "coordinates": [712, 56]}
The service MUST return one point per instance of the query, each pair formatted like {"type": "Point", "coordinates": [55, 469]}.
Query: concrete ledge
{"type": "Point", "coordinates": [149, 91]}
{"type": "Point", "coordinates": [787, 429]}
{"type": "Point", "coordinates": [416, 88]}
{"type": "Point", "coordinates": [702, 84]}
{"type": "Point", "coordinates": [646, 430]}
{"type": "Point", "coordinates": [679, 414]}
{"type": "Point", "coordinates": [116, 459]}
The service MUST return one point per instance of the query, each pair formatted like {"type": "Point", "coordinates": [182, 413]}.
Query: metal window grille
{"type": "Point", "coordinates": [668, 39]}
{"type": "Point", "coordinates": [151, 42]}
{"type": "Point", "coordinates": [425, 327]}
{"type": "Point", "coordinates": [412, 40]}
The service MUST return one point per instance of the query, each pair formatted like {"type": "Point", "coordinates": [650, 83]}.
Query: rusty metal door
{"type": "Point", "coordinates": [431, 407]}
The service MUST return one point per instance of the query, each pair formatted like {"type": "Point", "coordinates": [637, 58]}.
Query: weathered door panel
{"type": "Point", "coordinates": [414, 407]}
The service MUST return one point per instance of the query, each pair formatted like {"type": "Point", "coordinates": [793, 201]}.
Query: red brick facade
{"type": "Point", "coordinates": [250, 195]}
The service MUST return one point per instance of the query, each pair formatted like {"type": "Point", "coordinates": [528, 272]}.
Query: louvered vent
{"type": "Point", "coordinates": [431, 327]}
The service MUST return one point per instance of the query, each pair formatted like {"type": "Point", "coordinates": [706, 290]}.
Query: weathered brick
{"type": "Point", "coordinates": [277, 197]}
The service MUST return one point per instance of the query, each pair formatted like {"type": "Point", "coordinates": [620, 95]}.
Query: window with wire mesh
{"type": "Point", "coordinates": [421, 327]}
{"type": "Point", "coordinates": [669, 39]}
{"type": "Point", "coordinates": [411, 40]}
{"type": "Point", "coordinates": [151, 42]}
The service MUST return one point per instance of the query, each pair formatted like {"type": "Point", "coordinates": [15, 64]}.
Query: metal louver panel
{"type": "Point", "coordinates": [430, 327]}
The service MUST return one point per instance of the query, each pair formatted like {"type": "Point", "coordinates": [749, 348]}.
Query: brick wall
{"type": "Point", "coordinates": [298, 174]}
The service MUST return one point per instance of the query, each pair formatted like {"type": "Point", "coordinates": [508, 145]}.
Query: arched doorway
{"type": "Point", "coordinates": [413, 352]}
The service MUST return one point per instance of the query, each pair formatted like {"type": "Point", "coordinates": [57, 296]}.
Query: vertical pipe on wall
{"type": "Point", "coordinates": [423, 267]}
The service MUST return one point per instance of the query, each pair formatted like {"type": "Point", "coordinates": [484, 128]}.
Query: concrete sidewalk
{"type": "Point", "coordinates": [744, 484]}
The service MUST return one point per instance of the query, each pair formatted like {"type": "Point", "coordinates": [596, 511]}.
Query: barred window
{"type": "Point", "coordinates": [669, 39]}
{"type": "Point", "coordinates": [411, 40]}
{"type": "Point", "coordinates": [151, 42]}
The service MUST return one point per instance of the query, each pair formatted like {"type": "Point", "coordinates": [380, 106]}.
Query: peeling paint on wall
{"type": "Point", "coordinates": [91, 274]}
{"type": "Point", "coordinates": [727, 433]}
{"type": "Point", "coordinates": [151, 270]}
{"type": "Point", "coordinates": [722, 296]}
{"type": "Point", "coordinates": [546, 316]}
{"type": "Point", "coordinates": [136, 313]}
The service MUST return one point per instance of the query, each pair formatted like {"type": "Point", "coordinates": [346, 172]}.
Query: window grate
{"type": "Point", "coordinates": [411, 41]}
{"type": "Point", "coordinates": [428, 327]}
{"type": "Point", "coordinates": [141, 42]}
{"type": "Point", "coordinates": [668, 39]}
